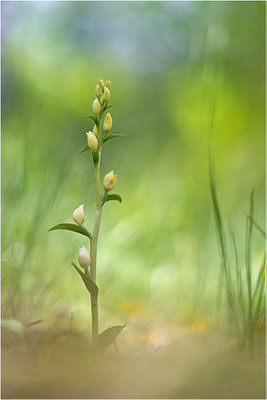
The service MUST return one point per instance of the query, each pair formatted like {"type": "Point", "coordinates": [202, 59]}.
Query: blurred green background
{"type": "Point", "coordinates": [158, 252]}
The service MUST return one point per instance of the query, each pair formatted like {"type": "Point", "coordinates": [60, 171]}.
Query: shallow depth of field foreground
{"type": "Point", "coordinates": [169, 301]}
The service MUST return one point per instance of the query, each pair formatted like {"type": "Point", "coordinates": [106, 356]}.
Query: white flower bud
{"type": "Point", "coordinates": [92, 141]}
{"type": "Point", "coordinates": [101, 82]}
{"type": "Point", "coordinates": [84, 257]}
{"type": "Point", "coordinates": [108, 84]}
{"type": "Point", "coordinates": [78, 215]}
{"type": "Point", "coordinates": [109, 181]}
{"type": "Point", "coordinates": [106, 96]}
{"type": "Point", "coordinates": [96, 106]}
{"type": "Point", "coordinates": [98, 90]}
{"type": "Point", "coordinates": [95, 130]}
{"type": "Point", "coordinates": [107, 125]}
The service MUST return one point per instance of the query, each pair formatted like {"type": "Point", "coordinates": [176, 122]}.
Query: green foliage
{"type": "Point", "coordinates": [95, 156]}
{"type": "Point", "coordinates": [72, 227]}
{"type": "Point", "coordinates": [245, 305]}
{"type": "Point", "coordinates": [90, 285]}
{"type": "Point", "coordinates": [85, 148]}
{"type": "Point", "coordinates": [107, 107]}
{"type": "Point", "coordinates": [93, 118]}
{"type": "Point", "coordinates": [113, 136]}
{"type": "Point", "coordinates": [109, 197]}
{"type": "Point", "coordinates": [107, 337]}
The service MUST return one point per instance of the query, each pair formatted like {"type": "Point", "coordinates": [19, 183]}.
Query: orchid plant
{"type": "Point", "coordinates": [96, 139]}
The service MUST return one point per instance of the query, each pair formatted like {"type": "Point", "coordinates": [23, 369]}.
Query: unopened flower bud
{"type": "Point", "coordinates": [92, 141]}
{"type": "Point", "coordinates": [95, 130]}
{"type": "Point", "coordinates": [98, 90]}
{"type": "Point", "coordinates": [107, 125]}
{"type": "Point", "coordinates": [109, 181]}
{"type": "Point", "coordinates": [108, 84]}
{"type": "Point", "coordinates": [78, 215]}
{"type": "Point", "coordinates": [96, 106]}
{"type": "Point", "coordinates": [101, 82]}
{"type": "Point", "coordinates": [84, 257]}
{"type": "Point", "coordinates": [106, 96]}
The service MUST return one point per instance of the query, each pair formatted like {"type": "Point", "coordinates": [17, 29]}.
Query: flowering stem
{"type": "Point", "coordinates": [93, 247]}
{"type": "Point", "coordinates": [95, 142]}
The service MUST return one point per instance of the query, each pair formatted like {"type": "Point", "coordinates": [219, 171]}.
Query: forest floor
{"type": "Point", "coordinates": [198, 364]}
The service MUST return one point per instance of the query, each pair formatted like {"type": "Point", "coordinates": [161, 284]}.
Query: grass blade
{"type": "Point", "coordinates": [260, 301]}
{"type": "Point", "coordinates": [240, 295]}
{"type": "Point", "coordinates": [249, 227]}
{"type": "Point", "coordinates": [260, 275]}
{"type": "Point", "coordinates": [257, 226]}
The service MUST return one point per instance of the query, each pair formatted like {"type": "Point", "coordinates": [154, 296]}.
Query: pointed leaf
{"type": "Point", "coordinates": [86, 147]}
{"type": "Point", "coordinates": [106, 107]}
{"type": "Point", "coordinates": [107, 337]}
{"type": "Point", "coordinates": [93, 118]}
{"type": "Point", "coordinates": [110, 197]}
{"type": "Point", "coordinates": [74, 228]}
{"type": "Point", "coordinates": [115, 135]}
{"type": "Point", "coordinates": [90, 285]}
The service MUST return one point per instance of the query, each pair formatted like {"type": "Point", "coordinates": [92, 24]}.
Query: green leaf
{"type": "Point", "coordinates": [115, 135]}
{"type": "Point", "coordinates": [257, 226]}
{"type": "Point", "coordinates": [74, 228]}
{"type": "Point", "coordinates": [93, 118]}
{"type": "Point", "coordinates": [106, 107]}
{"type": "Point", "coordinates": [109, 197]}
{"type": "Point", "coordinates": [86, 147]}
{"type": "Point", "coordinates": [95, 156]}
{"type": "Point", "coordinates": [107, 337]}
{"type": "Point", "coordinates": [90, 285]}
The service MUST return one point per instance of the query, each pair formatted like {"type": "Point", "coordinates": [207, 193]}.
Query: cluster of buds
{"type": "Point", "coordinates": [95, 142]}
{"type": "Point", "coordinates": [99, 105]}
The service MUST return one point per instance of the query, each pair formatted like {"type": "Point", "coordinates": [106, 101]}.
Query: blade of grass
{"type": "Point", "coordinates": [238, 280]}
{"type": "Point", "coordinates": [217, 214]}
{"type": "Point", "coordinates": [248, 248]}
{"type": "Point", "coordinates": [260, 301]}
{"type": "Point", "coordinates": [215, 202]}
{"type": "Point", "coordinates": [221, 235]}
{"type": "Point", "coordinates": [257, 226]}
{"type": "Point", "coordinates": [261, 272]}
{"type": "Point", "coordinates": [218, 220]}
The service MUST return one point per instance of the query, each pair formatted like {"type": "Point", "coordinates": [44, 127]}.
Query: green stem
{"type": "Point", "coordinates": [93, 253]}
{"type": "Point", "coordinates": [93, 245]}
